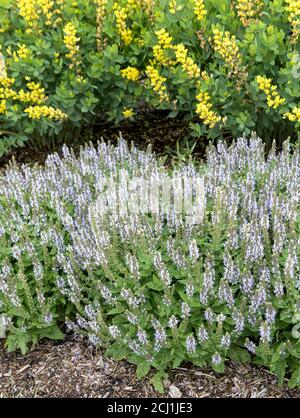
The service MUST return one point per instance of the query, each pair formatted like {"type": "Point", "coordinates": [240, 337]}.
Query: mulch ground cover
{"type": "Point", "coordinates": [75, 369]}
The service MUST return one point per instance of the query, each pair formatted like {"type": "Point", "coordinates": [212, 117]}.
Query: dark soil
{"type": "Point", "coordinates": [153, 128]}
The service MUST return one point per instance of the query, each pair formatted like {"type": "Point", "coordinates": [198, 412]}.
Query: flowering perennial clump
{"type": "Point", "coordinates": [27, 9]}
{"type": "Point", "coordinates": [34, 10]}
{"type": "Point", "coordinates": [150, 286]}
{"type": "Point", "coordinates": [225, 45]}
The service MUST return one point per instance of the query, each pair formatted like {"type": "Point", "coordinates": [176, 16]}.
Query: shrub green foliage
{"type": "Point", "coordinates": [228, 66]}
{"type": "Point", "coordinates": [153, 288]}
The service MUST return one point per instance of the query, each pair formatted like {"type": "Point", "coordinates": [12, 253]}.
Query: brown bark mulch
{"type": "Point", "coordinates": [74, 369]}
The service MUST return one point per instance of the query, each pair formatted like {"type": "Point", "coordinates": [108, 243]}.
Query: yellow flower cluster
{"type": "Point", "coordinates": [293, 9]}
{"type": "Point", "coordinates": [35, 95]}
{"type": "Point", "coordinates": [100, 15]}
{"type": "Point", "coordinates": [128, 113]}
{"type": "Point", "coordinates": [28, 11]}
{"type": "Point", "coordinates": [6, 91]}
{"type": "Point", "coordinates": [31, 10]}
{"type": "Point", "coordinates": [2, 107]}
{"type": "Point", "coordinates": [164, 43]}
{"type": "Point", "coordinates": [71, 42]}
{"type": "Point", "coordinates": [248, 10]}
{"type": "Point", "coordinates": [189, 66]}
{"type": "Point", "coordinates": [36, 112]}
{"type": "Point", "coordinates": [225, 45]}
{"type": "Point", "coordinates": [121, 14]}
{"type": "Point", "coordinates": [131, 73]}
{"type": "Point", "coordinates": [273, 98]}
{"type": "Point", "coordinates": [157, 82]}
{"type": "Point", "coordinates": [6, 81]}
{"type": "Point", "coordinates": [164, 38]}
{"type": "Point", "coordinates": [199, 9]}
{"type": "Point", "coordinates": [22, 53]}
{"type": "Point", "coordinates": [204, 75]}
{"type": "Point", "coordinates": [46, 7]}
{"type": "Point", "coordinates": [181, 54]}
{"type": "Point", "coordinates": [294, 115]}
{"type": "Point", "coordinates": [204, 110]}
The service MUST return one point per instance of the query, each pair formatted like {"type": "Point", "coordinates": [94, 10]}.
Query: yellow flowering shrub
{"type": "Point", "coordinates": [230, 67]}
{"type": "Point", "coordinates": [32, 11]}
{"type": "Point", "coordinates": [28, 11]}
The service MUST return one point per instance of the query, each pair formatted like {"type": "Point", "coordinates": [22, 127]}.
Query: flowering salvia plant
{"type": "Point", "coordinates": [113, 245]}
{"type": "Point", "coordinates": [226, 66]}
